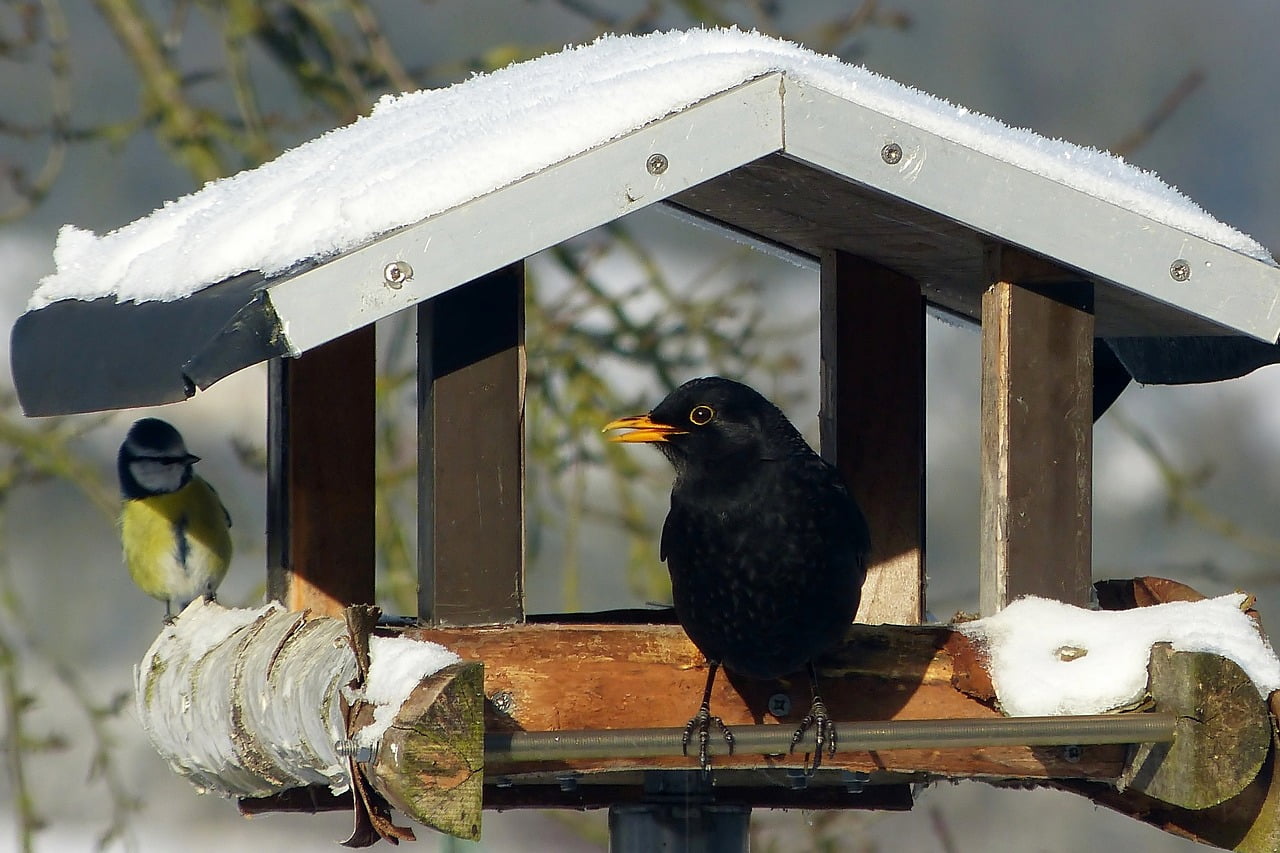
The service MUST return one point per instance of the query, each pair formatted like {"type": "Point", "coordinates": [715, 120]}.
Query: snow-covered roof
{"type": "Point", "coordinates": [422, 153]}
{"type": "Point", "coordinates": [757, 135]}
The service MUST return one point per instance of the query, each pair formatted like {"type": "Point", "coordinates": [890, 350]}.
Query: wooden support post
{"type": "Point", "coordinates": [1037, 432]}
{"type": "Point", "coordinates": [872, 422]}
{"type": "Point", "coordinates": [320, 491]}
{"type": "Point", "coordinates": [471, 452]}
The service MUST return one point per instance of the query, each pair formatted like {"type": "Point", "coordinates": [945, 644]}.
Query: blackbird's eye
{"type": "Point", "coordinates": [701, 415]}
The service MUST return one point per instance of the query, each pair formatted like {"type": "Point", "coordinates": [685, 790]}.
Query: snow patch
{"type": "Point", "coordinates": [1034, 647]}
{"type": "Point", "coordinates": [396, 666]}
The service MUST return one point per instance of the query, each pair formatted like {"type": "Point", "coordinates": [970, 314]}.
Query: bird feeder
{"type": "Point", "coordinates": [900, 204]}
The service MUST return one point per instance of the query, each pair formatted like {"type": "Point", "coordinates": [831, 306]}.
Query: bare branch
{"type": "Point", "coordinates": [1142, 134]}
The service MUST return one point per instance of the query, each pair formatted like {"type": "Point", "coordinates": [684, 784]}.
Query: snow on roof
{"type": "Point", "coordinates": [421, 153]}
{"type": "Point", "coordinates": [1034, 648]}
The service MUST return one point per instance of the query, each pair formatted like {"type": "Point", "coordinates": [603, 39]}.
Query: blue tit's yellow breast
{"type": "Point", "coordinates": [176, 545]}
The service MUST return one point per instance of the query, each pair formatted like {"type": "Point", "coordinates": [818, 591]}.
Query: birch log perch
{"type": "Point", "coordinates": [251, 703]}
{"type": "Point", "coordinates": [248, 703]}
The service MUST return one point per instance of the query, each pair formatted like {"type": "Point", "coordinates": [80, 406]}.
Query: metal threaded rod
{"type": "Point", "coordinates": [1151, 727]}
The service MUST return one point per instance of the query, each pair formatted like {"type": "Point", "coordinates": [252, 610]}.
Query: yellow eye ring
{"type": "Point", "coordinates": [701, 415]}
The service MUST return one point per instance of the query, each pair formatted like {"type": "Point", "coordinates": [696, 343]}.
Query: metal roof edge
{"type": "Point", "coordinates": [1020, 207]}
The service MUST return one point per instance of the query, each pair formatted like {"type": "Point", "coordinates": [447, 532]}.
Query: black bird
{"type": "Point", "coordinates": [766, 548]}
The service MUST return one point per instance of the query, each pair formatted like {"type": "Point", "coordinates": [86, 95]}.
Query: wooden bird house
{"type": "Point", "coordinates": [900, 209]}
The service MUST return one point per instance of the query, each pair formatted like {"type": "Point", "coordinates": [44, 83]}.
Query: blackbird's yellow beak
{"type": "Point", "coordinates": [642, 429]}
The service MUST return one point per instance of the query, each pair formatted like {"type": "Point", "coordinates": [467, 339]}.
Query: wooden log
{"type": "Point", "coordinates": [1223, 731]}
{"type": "Point", "coordinates": [430, 763]}
{"type": "Point", "coordinates": [1249, 821]}
{"type": "Point", "coordinates": [873, 362]}
{"type": "Point", "coordinates": [569, 677]}
{"type": "Point", "coordinates": [320, 487]}
{"type": "Point", "coordinates": [1037, 432]}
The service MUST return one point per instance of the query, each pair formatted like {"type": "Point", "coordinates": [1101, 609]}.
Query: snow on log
{"type": "Point", "coordinates": [249, 703]}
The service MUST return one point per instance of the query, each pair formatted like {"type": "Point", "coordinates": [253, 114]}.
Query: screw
{"type": "Point", "coordinates": [1073, 753]}
{"type": "Point", "coordinates": [504, 782]}
{"type": "Point", "coordinates": [396, 273]}
{"type": "Point", "coordinates": [779, 704]}
{"type": "Point", "coordinates": [349, 749]}
{"type": "Point", "coordinates": [798, 779]}
{"type": "Point", "coordinates": [656, 164]}
{"type": "Point", "coordinates": [568, 782]}
{"type": "Point", "coordinates": [1180, 270]}
{"type": "Point", "coordinates": [891, 153]}
{"type": "Point", "coordinates": [503, 701]}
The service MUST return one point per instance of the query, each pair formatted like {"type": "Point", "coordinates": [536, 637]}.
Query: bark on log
{"type": "Point", "coordinates": [251, 703]}
{"type": "Point", "coordinates": [247, 703]}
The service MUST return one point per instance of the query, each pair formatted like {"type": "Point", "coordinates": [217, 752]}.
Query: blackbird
{"type": "Point", "coordinates": [766, 548]}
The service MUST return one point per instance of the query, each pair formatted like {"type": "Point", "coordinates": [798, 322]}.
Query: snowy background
{"type": "Point", "coordinates": [1089, 73]}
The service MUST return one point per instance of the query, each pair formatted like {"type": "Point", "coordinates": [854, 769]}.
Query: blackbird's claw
{"type": "Point", "coordinates": [824, 732]}
{"type": "Point", "coordinates": [701, 723]}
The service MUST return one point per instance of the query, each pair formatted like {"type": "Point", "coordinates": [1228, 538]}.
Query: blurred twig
{"type": "Point", "coordinates": [1182, 485]}
{"type": "Point", "coordinates": [32, 191]}
{"type": "Point", "coordinates": [1169, 105]}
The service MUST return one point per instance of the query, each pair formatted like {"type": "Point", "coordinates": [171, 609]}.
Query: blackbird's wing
{"type": "Point", "coordinates": [673, 529]}
{"type": "Point", "coordinates": [841, 519]}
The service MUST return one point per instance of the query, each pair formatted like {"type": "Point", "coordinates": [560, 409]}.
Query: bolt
{"type": "Point", "coordinates": [1073, 753]}
{"type": "Point", "coordinates": [891, 153]}
{"type": "Point", "coordinates": [798, 779]}
{"type": "Point", "coordinates": [349, 749]}
{"type": "Point", "coordinates": [503, 701]}
{"type": "Point", "coordinates": [568, 782]}
{"type": "Point", "coordinates": [656, 164]}
{"type": "Point", "coordinates": [1180, 270]}
{"type": "Point", "coordinates": [779, 705]}
{"type": "Point", "coordinates": [396, 273]}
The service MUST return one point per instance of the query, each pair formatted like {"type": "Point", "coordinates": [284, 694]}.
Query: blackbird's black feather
{"type": "Point", "coordinates": [766, 548]}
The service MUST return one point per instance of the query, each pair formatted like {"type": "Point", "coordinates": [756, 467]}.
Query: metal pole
{"type": "Point", "coordinates": [1148, 727]}
{"type": "Point", "coordinates": [678, 815]}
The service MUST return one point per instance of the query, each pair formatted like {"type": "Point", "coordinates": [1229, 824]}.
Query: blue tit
{"type": "Point", "coordinates": [175, 530]}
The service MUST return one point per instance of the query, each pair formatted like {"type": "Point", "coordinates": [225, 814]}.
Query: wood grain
{"type": "Point", "coordinates": [1037, 434]}
{"type": "Point", "coordinates": [872, 420]}
{"type": "Point", "coordinates": [569, 677]}
{"type": "Point", "coordinates": [471, 452]}
{"type": "Point", "coordinates": [320, 490]}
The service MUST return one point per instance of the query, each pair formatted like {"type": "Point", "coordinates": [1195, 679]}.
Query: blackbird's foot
{"type": "Point", "coordinates": [824, 731]}
{"type": "Point", "coordinates": [702, 723]}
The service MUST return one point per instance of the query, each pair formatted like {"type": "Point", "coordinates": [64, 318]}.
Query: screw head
{"type": "Point", "coordinates": [1073, 753]}
{"type": "Point", "coordinates": [779, 704]}
{"type": "Point", "coordinates": [396, 273]}
{"type": "Point", "coordinates": [891, 153]}
{"type": "Point", "coordinates": [656, 164]}
{"type": "Point", "coordinates": [504, 701]}
{"type": "Point", "coordinates": [1180, 270]}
